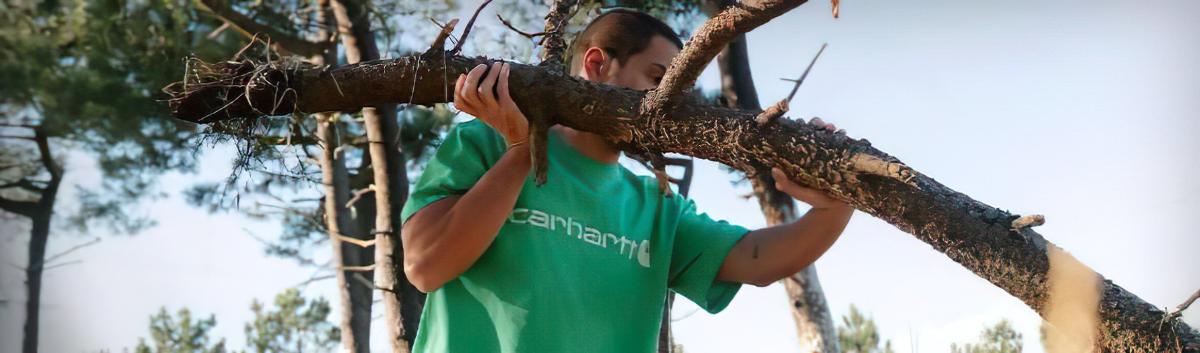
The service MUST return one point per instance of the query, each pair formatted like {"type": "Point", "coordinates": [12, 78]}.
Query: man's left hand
{"type": "Point", "coordinates": [816, 198]}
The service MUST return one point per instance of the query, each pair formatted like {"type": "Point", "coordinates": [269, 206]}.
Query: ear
{"type": "Point", "coordinates": [595, 64]}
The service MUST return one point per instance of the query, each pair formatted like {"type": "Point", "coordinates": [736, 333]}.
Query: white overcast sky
{"type": "Point", "coordinates": [1083, 111]}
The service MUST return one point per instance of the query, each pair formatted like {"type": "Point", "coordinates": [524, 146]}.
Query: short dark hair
{"type": "Point", "coordinates": [621, 33]}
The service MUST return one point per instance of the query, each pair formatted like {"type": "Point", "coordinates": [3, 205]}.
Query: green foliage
{"type": "Point", "coordinates": [180, 334]}
{"type": "Point", "coordinates": [88, 73]}
{"type": "Point", "coordinates": [857, 334]}
{"type": "Point", "coordinates": [999, 338]}
{"type": "Point", "coordinates": [294, 325]}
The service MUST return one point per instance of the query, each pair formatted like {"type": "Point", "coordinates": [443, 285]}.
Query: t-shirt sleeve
{"type": "Point", "coordinates": [700, 247]}
{"type": "Point", "coordinates": [467, 152]}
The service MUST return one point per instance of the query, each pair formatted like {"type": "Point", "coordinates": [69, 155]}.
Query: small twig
{"type": "Point", "coordinates": [779, 108]}
{"type": "Point", "coordinates": [366, 282]}
{"type": "Point", "coordinates": [439, 24]}
{"type": "Point", "coordinates": [514, 29]}
{"type": "Point", "coordinates": [315, 277]}
{"type": "Point", "coordinates": [800, 80]}
{"type": "Point", "coordinates": [217, 32]}
{"type": "Point", "coordinates": [359, 194]}
{"type": "Point", "coordinates": [362, 243]}
{"type": "Point", "coordinates": [70, 250]}
{"type": "Point", "coordinates": [51, 267]}
{"type": "Point", "coordinates": [366, 268]}
{"type": "Point", "coordinates": [467, 30]}
{"type": "Point", "coordinates": [439, 42]}
{"type": "Point", "coordinates": [1028, 221]}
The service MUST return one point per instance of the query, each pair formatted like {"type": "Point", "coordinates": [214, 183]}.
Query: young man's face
{"type": "Point", "coordinates": [641, 71]}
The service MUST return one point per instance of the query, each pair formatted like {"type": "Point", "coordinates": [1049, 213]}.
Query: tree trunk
{"type": "Point", "coordinates": [814, 324]}
{"type": "Point", "coordinates": [402, 301]}
{"type": "Point", "coordinates": [39, 236]}
{"type": "Point", "coordinates": [39, 213]}
{"type": "Point", "coordinates": [348, 259]}
{"type": "Point", "coordinates": [355, 306]}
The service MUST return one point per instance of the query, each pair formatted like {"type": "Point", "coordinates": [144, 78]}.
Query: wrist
{"type": "Point", "coordinates": [519, 154]}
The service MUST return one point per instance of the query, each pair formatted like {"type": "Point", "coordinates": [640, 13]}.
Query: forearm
{"type": "Point", "coordinates": [448, 239]}
{"type": "Point", "coordinates": [766, 255]}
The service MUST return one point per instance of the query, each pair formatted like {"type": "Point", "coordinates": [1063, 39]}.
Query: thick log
{"type": "Point", "coordinates": [977, 236]}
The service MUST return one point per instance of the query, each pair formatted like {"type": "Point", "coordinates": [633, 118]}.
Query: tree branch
{"type": "Point", "coordinates": [1186, 303]}
{"type": "Point", "coordinates": [68, 263]}
{"type": "Point", "coordinates": [553, 44]}
{"type": "Point", "coordinates": [518, 31]}
{"type": "Point", "coordinates": [72, 249]}
{"type": "Point", "coordinates": [781, 107]}
{"type": "Point", "coordinates": [23, 183]}
{"type": "Point", "coordinates": [709, 40]}
{"type": "Point", "coordinates": [976, 235]}
{"type": "Point", "coordinates": [281, 41]}
{"type": "Point", "coordinates": [358, 195]}
{"type": "Point", "coordinates": [366, 268]}
{"type": "Point", "coordinates": [467, 30]}
{"type": "Point", "coordinates": [23, 208]}
{"type": "Point", "coordinates": [362, 243]}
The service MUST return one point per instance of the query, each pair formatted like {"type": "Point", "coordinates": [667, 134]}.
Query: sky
{"type": "Point", "coordinates": [1085, 112]}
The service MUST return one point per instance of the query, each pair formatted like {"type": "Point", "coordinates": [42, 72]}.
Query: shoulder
{"type": "Point", "coordinates": [475, 132]}
{"type": "Point", "coordinates": [476, 129]}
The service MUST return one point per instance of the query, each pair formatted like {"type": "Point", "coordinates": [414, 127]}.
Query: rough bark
{"type": "Point", "coordinates": [553, 45]}
{"type": "Point", "coordinates": [975, 235]}
{"type": "Point", "coordinates": [710, 39]}
{"type": "Point", "coordinates": [814, 324]}
{"type": "Point", "coordinates": [402, 301]}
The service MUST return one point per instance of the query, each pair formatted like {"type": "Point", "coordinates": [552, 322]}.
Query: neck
{"type": "Point", "coordinates": [590, 145]}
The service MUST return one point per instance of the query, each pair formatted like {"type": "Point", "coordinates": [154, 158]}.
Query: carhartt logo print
{"type": "Point", "coordinates": [576, 230]}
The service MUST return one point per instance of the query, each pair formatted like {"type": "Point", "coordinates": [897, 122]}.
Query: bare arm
{"type": "Point", "coordinates": [767, 255]}
{"type": "Point", "coordinates": [446, 237]}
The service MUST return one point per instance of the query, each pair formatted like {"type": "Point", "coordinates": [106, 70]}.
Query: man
{"type": "Point", "coordinates": [582, 263]}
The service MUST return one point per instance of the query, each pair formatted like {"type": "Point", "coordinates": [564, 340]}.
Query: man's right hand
{"type": "Point", "coordinates": [473, 94]}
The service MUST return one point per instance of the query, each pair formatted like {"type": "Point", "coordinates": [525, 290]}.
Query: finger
{"type": "Point", "coordinates": [485, 89]}
{"type": "Point", "coordinates": [502, 89]}
{"type": "Point", "coordinates": [470, 89]}
{"type": "Point", "coordinates": [782, 182]}
{"type": "Point", "coordinates": [458, 87]}
{"type": "Point", "coordinates": [460, 101]}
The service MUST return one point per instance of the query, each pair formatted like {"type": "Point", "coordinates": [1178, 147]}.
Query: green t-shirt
{"type": "Point", "coordinates": [583, 262]}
